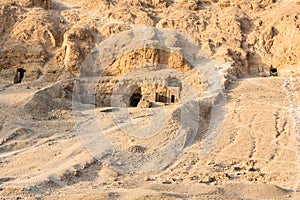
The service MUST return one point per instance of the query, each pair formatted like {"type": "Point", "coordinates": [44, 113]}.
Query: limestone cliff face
{"type": "Point", "coordinates": [249, 36]}
{"type": "Point", "coordinates": [76, 45]}
{"type": "Point", "coordinates": [31, 40]}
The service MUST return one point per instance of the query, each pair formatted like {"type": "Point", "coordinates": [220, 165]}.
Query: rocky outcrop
{"type": "Point", "coordinates": [77, 44]}
{"type": "Point", "coordinates": [43, 3]}
{"type": "Point", "coordinates": [29, 41]}
{"type": "Point", "coordinates": [46, 4]}
{"type": "Point", "coordinates": [244, 35]}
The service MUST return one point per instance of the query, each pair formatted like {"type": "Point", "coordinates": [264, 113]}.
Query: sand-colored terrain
{"type": "Point", "coordinates": [69, 130]}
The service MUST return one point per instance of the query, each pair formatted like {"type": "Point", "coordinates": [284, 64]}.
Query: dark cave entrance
{"type": "Point", "coordinates": [173, 99]}
{"type": "Point", "coordinates": [19, 75]}
{"type": "Point", "coordinates": [135, 97]}
{"type": "Point", "coordinates": [273, 72]}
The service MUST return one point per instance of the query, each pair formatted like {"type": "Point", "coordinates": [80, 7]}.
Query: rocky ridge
{"type": "Point", "coordinates": [54, 39]}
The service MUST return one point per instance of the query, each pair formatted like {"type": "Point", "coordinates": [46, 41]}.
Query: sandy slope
{"type": "Point", "coordinates": [256, 156]}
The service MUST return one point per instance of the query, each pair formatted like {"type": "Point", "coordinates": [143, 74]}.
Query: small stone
{"type": "Point", "coordinates": [76, 173]}
{"type": "Point", "coordinates": [166, 182]}
{"type": "Point", "coordinates": [228, 176]}
{"type": "Point", "coordinates": [210, 163]}
{"type": "Point", "coordinates": [119, 163]}
{"type": "Point", "coordinates": [137, 149]}
{"type": "Point", "coordinates": [194, 178]}
{"type": "Point", "coordinates": [208, 179]}
{"type": "Point", "coordinates": [252, 169]}
{"type": "Point", "coordinates": [237, 169]}
{"type": "Point", "coordinates": [146, 178]}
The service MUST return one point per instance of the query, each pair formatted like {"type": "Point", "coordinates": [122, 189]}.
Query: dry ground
{"type": "Point", "coordinates": [256, 155]}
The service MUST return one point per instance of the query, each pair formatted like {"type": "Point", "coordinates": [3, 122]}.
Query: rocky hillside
{"type": "Point", "coordinates": [95, 137]}
{"type": "Point", "coordinates": [53, 38]}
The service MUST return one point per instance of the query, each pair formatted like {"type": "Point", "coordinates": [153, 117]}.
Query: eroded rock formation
{"type": "Point", "coordinates": [245, 35]}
